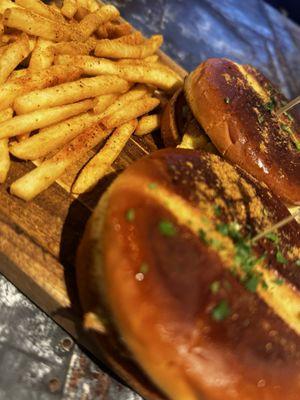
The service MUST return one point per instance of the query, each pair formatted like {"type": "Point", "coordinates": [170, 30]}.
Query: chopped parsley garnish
{"type": "Point", "coordinates": [227, 100]}
{"type": "Point", "coordinates": [278, 281]}
{"type": "Point", "coordinates": [215, 287]}
{"type": "Point", "coordinates": [252, 282]}
{"type": "Point", "coordinates": [152, 185]}
{"type": "Point", "coordinates": [203, 236]}
{"type": "Point", "coordinates": [144, 268]}
{"type": "Point", "coordinates": [167, 228]}
{"type": "Point", "coordinates": [130, 215]}
{"type": "Point", "coordinates": [215, 243]}
{"type": "Point", "coordinates": [286, 128]}
{"type": "Point", "coordinates": [270, 105]}
{"type": "Point", "coordinates": [289, 116]}
{"type": "Point", "coordinates": [221, 311]}
{"type": "Point", "coordinates": [260, 118]}
{"type": "Point", "coordinates": [280, 257]}
{"type": "Point", "coordinates": [232, 230]}
{"type": "Point", "coordinates": [217, 210]}
{"type": "Point", "coordinates": [296, 143]}
{"type": "Point", "coordinates": [264, 285]}
{"type": "Point", "coordinates": [298, 263]}
{"type": "Point", "coordinates": [273, 237]}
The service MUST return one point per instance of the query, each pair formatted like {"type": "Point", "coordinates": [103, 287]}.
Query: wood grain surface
{"type": "Point", "coordinates": [39, 239]}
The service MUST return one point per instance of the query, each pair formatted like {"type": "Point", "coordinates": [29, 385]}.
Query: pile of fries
{"type": "Point", "coordinates": [72, 78]}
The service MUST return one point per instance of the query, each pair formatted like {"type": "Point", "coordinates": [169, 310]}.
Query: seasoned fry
{"type": "Point", "coordinates": [5, 4]}
{"type": "Point", "coordinates": [53, 137]}
{"type": "Point", "coordinates": [42, 56]}
{"type": "Point", "coordinates": [40, 8]}
{"type": "Point", "coordinates": [31, 23]}
{"type": "Point", "coordinates": [133, 39]}
{"type": "Point", "coordinates": [74, 48]}
{"type": "Point", "coordinates": [104, 101]}
{"type": "Point", "coordinates": [39, 119]}
{"type": "Point", "coordinates": [1, 27]}
{"type": "Point", "coordinates": [39, 179]}
{"type": "Point", "coordinates": [93, 5]}
{"type": "Point", "coordinates": [192, 141]}
{"type": "Point", "coordinates": [4, 153]}
{"type": "Point", "coordinates": [100, 163]}
{"type": "Point", "coordinates": [91, 21]}
{"type": "Point", "coordinates": [147, 124]}
{"type": "Point", "coordinates": [113, 49]}
{"type": "Point", "coordinates": [111, 30]}
{"type": "Point", "coordinates": [133, 110]}
{"type": "Point", "coordinates": [69, 92]}
{"type": "Point", "coordinates": [49, 77]}
{"type": "Point", "coordinates": [81, 13]}
{"type": "Point", "coordinates": [151, 59]}
{"type": "Point", "coordinates": [159, 76]}
{"type": "Point", "coordinates": [12, 56]}
{"type": "Point", "coordinates": [69, 8]}
{"type": "Point", "coordinates": [122, 101]}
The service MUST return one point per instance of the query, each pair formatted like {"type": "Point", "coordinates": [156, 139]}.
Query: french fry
{"type": "Point", "coordinates": [4, 153]}
{"type": "Point", "coordinates": [98, 166]}
{"type": "Point", "coordinates": [40, 8]}
{"type": "Point", "coordinates": [38, 80]}
{"type": "Point", "coordinates": [112, 49]}
{"type": "Point", "coordinates": [3, 49]}
{"type": "Point", "coordinates": [192, 141]}
{"type": "Point", "coordinates": [51, 138]}
{"type": "Point", "coordinates": [5, 4]}
{"type": "Point", "coordinates": [39, 179]}
{"type": "Point", "coordinates": [32, 23]}
{"type": "Point", "coordinates": [81, 13]}
{"type": "Point", "coordinates": [42, 56]}
{"type": "Point", "coordinates": [91, 21]}
{"type": "Point", "coordinates": [39, 119]}
{"type": "Point", "coordinates": [151, 59]}
{"type": "Point", "coordinates": [69, 92]}
{"type": "Point", "coordinates": [147, 124]}
{"type": "Point", "coordinates": [104, 101]}
{"type": "Point", "coordinates": [134, 38]}
{"type": "Point", "coordinates": [111, 30]}
{"type": "Point", "coordinates": [74, 48]}
{"type": "Point", "coordinates": [12, 56]}
{"type": "Point", "coordinates": [136, 93]}
{"type": "Point", "coordinates": [159, 76]}
{"type": "Point", "coordinates": [1, 27]}
{"type": "Point", "coordinates": [93, 5]}
{"type": "Point", "coordinates": [132, 110]}
{"type": "Point", "coordinates": [69, 8]}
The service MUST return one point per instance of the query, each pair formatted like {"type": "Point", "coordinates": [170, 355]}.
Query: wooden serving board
{"type": "Point", "coordinates": [38, 239]}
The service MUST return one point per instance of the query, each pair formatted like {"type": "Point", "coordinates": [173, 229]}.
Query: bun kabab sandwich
{"type": "Point", "coordinates": [237, 108]}
{"type": "Point", "coordinates": [177, 290]}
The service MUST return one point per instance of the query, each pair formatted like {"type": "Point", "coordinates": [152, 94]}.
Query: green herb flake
{"type": "Point", "coordinates": [278, 281]}
{"type": "Point", "coordinates": [289, 116]}
{"type": "Point", "coordinates": [296, 143]}
{"type": "Point", "coordinates": [217, 211]}
{"type": "Point", "coordinates": [167, 228]}
{"type": "Point", "coordinates": [273, 237]}
{"type": "Point", "coordinates": [297, 263]}
{"type": "Point", "coordinates": [221, 311]}
{"type": "Point", "coordinates": [260, 118]}
{"type": "Point", "coordinates": [152, 185]}
{"type": "Point", "coordinates": [264, 285]}
{"type": "Point", "coordinates": [144, 268]}
{"type": "Point", "coordinates": [280, 257]}
{"type": "Point", "coordinates": [216, 244]}
{"type": "Point", "coordinates": [203, 236]}
{"type": "Point", "coordinates": [130, 215]}
{"type": "Point", "coordinates": [270, 105]}
{"type": "Point", "coordinates": [215, 287]}
{"type": "Point", "coordinates": [252, 283]}
{"type": "Point", "coordinates": [286, 128]}
{"type": "Point", "coordinates": [227, 100]}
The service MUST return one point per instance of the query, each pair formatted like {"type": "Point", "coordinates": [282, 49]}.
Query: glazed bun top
{"type": "Point", "coordinates": [236, 105]}
{"type": "Point", "coordinates": [206, 313]}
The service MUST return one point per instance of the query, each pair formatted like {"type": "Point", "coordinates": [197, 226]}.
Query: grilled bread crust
{"type": "Point", "coordinates": [157, 264]}
{"type": "Point", "coordinates": [236, 105]}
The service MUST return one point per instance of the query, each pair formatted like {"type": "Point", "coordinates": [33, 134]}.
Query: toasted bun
{"type": "Point", "coordinates": [236, 106]}
{"type": "Point", "coordinates": [157, 264]}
